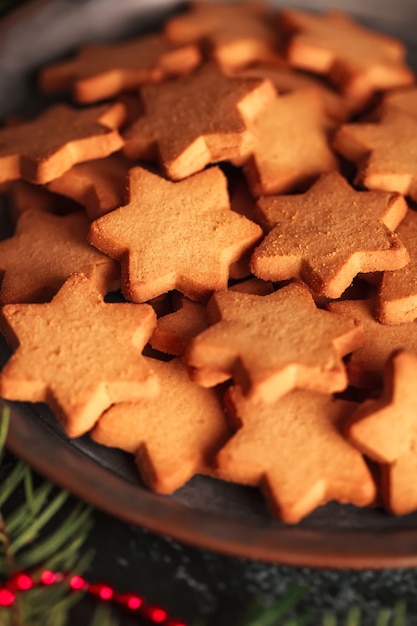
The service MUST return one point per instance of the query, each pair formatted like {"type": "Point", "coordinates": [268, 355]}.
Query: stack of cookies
{"type": "Point", "coordinates": [214, 258]}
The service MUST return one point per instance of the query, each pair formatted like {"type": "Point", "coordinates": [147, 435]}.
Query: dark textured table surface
{"type": "Point", "coordinates": [189, 581]}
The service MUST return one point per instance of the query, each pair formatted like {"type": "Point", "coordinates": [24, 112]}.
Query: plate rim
{"type": "Point", "coordinates": [71, 469]}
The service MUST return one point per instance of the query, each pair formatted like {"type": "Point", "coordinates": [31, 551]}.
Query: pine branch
{"type": "Point", "coordinates": [24, 545]}
{"type": "Point", "coordinates": [258, 616]}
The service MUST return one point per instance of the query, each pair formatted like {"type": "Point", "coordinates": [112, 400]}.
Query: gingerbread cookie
{"type": "Point", "coordinates": [294, 451]}
{"type": "Point", "coordinates": [242, 202]}
{"type": "Point", "coordinates": [397, 296]}
{"type": "Point", "coordinates": [147, 235]}
{"type": "Point", "coordinates": [175, 330]}
{"type": "Point", "coordinates": [186, 134]}
{"type": "Point", "coordinates": [184, 421]}
{"type": "Point", "coordinates": [273, 344]}
{"type": "Point", "coordinates": [49, 145]}
{"type": "Point", "coordinates": [44, 251]}
{"type": "Point", "coordinates": [62, 351]}
{"type": "Point", "coordinates": [24, 196]}
{"type": "Point", "coordinates": [367, 363]}
{"type": "Point", "coordinates": [358, 60]}
{"type": "Point", "coordinates": [287, 79]}
{"type": "Point", "coordinates": [99, 185]}
{"type": "Point", "coordinates": [329, 234]}
{"type": "Point", "coordinates": [291, 146]}
{"type": "Point", "coordinates": [236, 34]}
{"type": "Point", "coordinates": [386, 431]}
{"type": "Point", "coordinates": [103, 71]}
{"type": "Point", "coordinates": [385, 152]}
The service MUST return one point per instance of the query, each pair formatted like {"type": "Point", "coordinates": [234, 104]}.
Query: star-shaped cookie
{"type": "Point", "coordinates": [367, 363]}
{"type": "Point", "coordinates": [291, 147]}
{"type": "Point", "coordinates": [236, 34]}
{"type": "Point", "coordinates": [174, 435]}
{"type": "Point", "coordinates": [100, 72]}
{"type": "Point", "coordinates": [386, 431]}
{"type": "Point", "coordinates": [44, 251]}
{"type": "Point", "coordinates": [99, 185]}
{"type": "Point", "coordinates": [77, 353]}
{"type": "Point", "coordinates": [275, 343]}
{"type": "Point", "coordinates": [175, 330]}
{"type": "Point", "coordinates": [24, 196]}
{"type": "Point", "coordinates": [175, 235]}
{"type": "Point", "coordinates": [358, 60]}
{"type": "Point", "coordinates": [187, 133]}
{"type": "Point", "coordinates": [294, 451]}
{"type": "Point", "coordinates": [329, 234]}
{"type": "Point", "coordinates": [385, 152]}
{"type": "Point", "coordinates": [397, 296]}
{"type": "Point", "coordinates": [402, 99]}
{"type": "Point", "coordinates": [287, 79]}
{"type": "Point", "coordinates": [49, 145]}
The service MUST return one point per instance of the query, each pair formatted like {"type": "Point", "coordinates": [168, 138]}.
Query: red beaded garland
{"type": "Point", "coordinates": [24, 582]}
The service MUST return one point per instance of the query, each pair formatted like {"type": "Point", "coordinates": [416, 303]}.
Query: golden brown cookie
{"type": "Point", "coordinates": [49, 145]}
{"type": "Point", "coordinates": [385, 152]}
{"type": "Point", "coordinates": [328, 234]}
{"type": "Point", "coordinates": [24, 196]}
{"type": "Point", "coordinates": [175, 235]}
{"type": "Point", "coordinates": [77, 353]}
{"type": "Point", "coordinates": [174, 435]}
{"type": "Point", "coordinates": [242, 202]}
{"type": "Point", "coordinates": [294, 451]}
{"type": "Point", "coordinates": [99, 186]}
{"type": "Point", "coordinates": [367, 363]}
{"type": "Point", "coordinates": [236, 34]}
{"type": "Point", "coordinates": [100, 72]}
{"type": "Point", "coordinates": [44, 251]}
{"type": "Point", "coordinates": [287, 79]}
{"type": "Point", "coordinates": [185, 134]}
{"type": "Point", "coordinates": [273, 344]}
{"type": "Point", "coordinates": [292, 147]}
{"type": "Point", "coordinates": [401, 99]}
{"type": "Point", "coordinates": [397, 296]}
{"type": "Point", "coordinates": [386, 431]}
{"type": "Point", "coordinates": [358, 60]}
{"type": "Point", "coordinates": [175, 330]}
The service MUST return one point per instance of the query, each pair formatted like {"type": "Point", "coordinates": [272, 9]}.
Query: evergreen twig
{"type": "Point", "coordinates": [23, 546]}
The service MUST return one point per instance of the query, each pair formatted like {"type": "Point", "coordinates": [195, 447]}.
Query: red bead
{"type": "Point", "coordinates": [24, 582]}
{"type": "Point", "coordinates": [76, 583]}
{"type": "Point", "coordinates": [130, 601]}
{"type": "Point", "coordinates": [48, 577]}
{"type": "Point", "coordinates": [175, 622]}
{"type": "Point", "coordinates": [156, 614]}
{"type": "Point", "coordinates": [102, 591]}
{"type": "Point", "coordinates": [106, 593]}
{"type": "Point", "coordinates": [134, 603]}
{"type": "Point", "coordinates": [6, 597]}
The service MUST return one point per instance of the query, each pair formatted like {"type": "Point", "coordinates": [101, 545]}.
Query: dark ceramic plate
{"type": "Point", "coordinates": [205, 512]}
